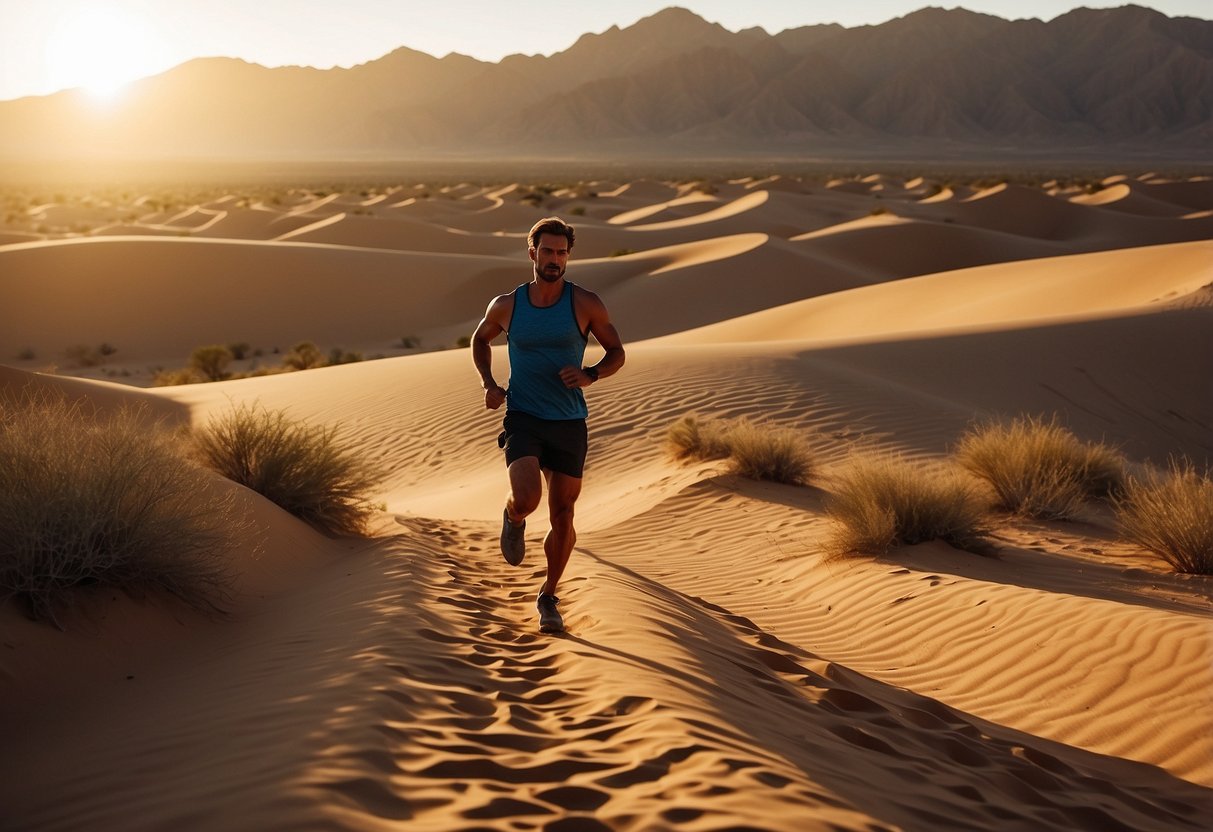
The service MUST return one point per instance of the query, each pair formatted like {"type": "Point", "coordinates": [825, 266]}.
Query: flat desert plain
{"type": "Point", "coordinates": [719, 672]}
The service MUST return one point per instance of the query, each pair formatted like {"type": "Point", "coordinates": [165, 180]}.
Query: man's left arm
{"type": "Point", "coordinates": [599, 324]}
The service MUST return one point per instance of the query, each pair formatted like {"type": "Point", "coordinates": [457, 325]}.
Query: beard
{"type": "Point", "coordinates": [550, 273]}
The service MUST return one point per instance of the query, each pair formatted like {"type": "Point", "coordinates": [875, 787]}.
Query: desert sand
{"type": "Point", "coordinates": [719, 672]}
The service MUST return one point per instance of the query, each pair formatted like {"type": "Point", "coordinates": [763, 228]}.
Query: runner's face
{"type": "Point", "coordinates": [551, 256]}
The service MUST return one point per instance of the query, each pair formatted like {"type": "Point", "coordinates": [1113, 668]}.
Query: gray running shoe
{"type": "Point", "coordinates": [513, 539]}
{"type": "Point", "coordinates": [550, 620]}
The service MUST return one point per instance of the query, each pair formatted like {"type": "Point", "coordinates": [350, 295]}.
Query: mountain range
{"type": "Point", "coordinates": [674, 84]}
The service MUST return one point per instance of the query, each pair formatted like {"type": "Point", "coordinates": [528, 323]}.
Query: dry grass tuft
{"type": "Point", "coordinates": [756, 451]}
{"type": "Point", "coordinates": [303, 468]}
{"type": "Point", "coordinates": [762, 452]}
{"type": "Point", "coordinates": [1170, 513]}
{"type": "Point", "coordinates": [107, 501]}
{"type": "Point", "coordinates": [694, 438]}
{"type": "Point", "coordinates": [1040, 469]}
{"type": "Point", "coordinates": [881, 502]}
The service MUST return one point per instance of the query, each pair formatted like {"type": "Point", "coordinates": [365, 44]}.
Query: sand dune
{"type": "Point", "coordinates": [1002, 295]}
{"type": "Point", "coordinates": [270, 295]}
{"type": "Point", "coordinates": [719, 672]}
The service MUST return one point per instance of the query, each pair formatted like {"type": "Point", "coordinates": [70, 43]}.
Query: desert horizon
{"type": "Point", "coordinates": [674, 86]}
{"type": "Point", "coordinates": [897, 510]}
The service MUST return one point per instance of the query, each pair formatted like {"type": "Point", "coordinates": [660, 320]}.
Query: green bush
{"type": "Point", "coordinates": [303, 468]}
{"type": "Point", "coordinates": [881, 502]}
{"type": "Point", "coordinates": [1038, 468]}
{"type": "Point", "coordinates": [1170, 513]}
{"type": "Point", "coordinates": [105, 501]}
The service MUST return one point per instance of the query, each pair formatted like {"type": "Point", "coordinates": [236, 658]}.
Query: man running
{"type": "Point", "coordinates": [548, 322]}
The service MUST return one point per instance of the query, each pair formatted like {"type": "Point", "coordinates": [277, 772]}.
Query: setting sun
{"type": "Point", "coordinates": [100, 49]}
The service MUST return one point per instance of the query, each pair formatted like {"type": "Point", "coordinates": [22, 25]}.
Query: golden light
{"type": "Point", "coordinates": [101, 47]}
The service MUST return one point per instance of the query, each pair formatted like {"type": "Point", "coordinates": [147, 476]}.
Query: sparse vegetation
{"type": "Point", "coordinates": [171, 378]}
{"type": "Point", "coordinates": [1040, 469]}
{"type": "Point", "coordinates": [755, 451]}
{"type": "Point", "coordinates": [694, 438]}
{"type": "Point", "coordinates": [304, 356]}
{"type": "Point", "coordinates": [1170, 513]}
{"type": "Point", "coordinates": [410, 342]}
{"type": "Point", "coordinates": [95, 500]}
{"type": "Point", "coordinates": [765, 452]}
{"type": "Point", "coordinates": [881, 502]}
{"type": "Point", "coordinates": [463, 342]}
{"type": "Point", "coordinates": [239, 350]}
{"type": "Point", "coordinates": [577, 210]}
{"type": "Point", "coordinates": [211, 362]}
{"type": "Point", "coordinates": [340, 356]}
{"type": "Point", "coordinates": [26, 354]}
{"type": "Point", "coordinates": [303, 468]}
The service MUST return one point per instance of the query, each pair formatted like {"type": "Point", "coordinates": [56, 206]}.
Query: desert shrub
{"type": "Point", "coordinates": [755, 451]}
{"type": "Point", "coordinates": [764, 452]}
{"type": "Point", "coordinates": [340, 356]}
{"type": "Point", "coordinates": [211, 362]}
{"type": "Point", "coordinates": [26, 354]}
{"type": "Point", "coordinates": [463, 342]}
{"type": "Point", "coordinates": [694, 438]}
{"type": "Point", "coordinates": [171, 378]}
{"type": "Point", "coordinates": [1038, 468]}
{"type": "Point", "coordinates": [622, 252]}
{"type": "Point", "coordinates": [1170, 513]}
{"type": "Point", "coordinates": [577, 211]}
{"type": "Point", "coordinates": [303, 468]}
{"type": "Point", "coordinates": [105, 501]}
{"type": "Point", "coordinates": [410, 341]}
{"type": "Point", "coordinates": [239, 350]}
{"type": "Point", "coordinates": [881, 502]}
{"type": "Point", "coordinates": [304, 356]}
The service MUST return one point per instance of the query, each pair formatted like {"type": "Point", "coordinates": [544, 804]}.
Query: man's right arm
{"type": "Point", "coordinates": [490, 326]}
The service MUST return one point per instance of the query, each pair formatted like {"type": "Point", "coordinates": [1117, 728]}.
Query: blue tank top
{"type": "Point", "coordinates": [541, 341]}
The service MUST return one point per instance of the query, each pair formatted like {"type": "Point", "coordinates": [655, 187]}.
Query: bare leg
{"type": "Point", "coordinates": [526, 487]}
{"type": "Point", "coordinates": [563, 491]}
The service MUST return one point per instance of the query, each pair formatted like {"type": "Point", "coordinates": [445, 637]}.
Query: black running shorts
{"type": "Point", "coordinates": [560, 445]}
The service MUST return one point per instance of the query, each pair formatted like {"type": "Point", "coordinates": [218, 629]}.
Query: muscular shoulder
{"type": "Point", "coordinates": [586, 301]}
{"type": "Point", "coordinates": [501, 308]}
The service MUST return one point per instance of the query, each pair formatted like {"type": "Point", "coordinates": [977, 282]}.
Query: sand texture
{"type": "Point", "coordinates": [719, 671]}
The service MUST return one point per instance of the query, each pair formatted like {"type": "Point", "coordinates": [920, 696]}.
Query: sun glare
{"type": "Point", "coordinates": [100, 48]}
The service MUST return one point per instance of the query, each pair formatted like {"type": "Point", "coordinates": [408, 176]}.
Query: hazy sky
{"type": "Point", "coordinates": [48, 45]}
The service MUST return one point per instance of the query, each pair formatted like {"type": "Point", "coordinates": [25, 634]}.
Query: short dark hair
{"type": "Point", "coordinates": [550, 225]}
